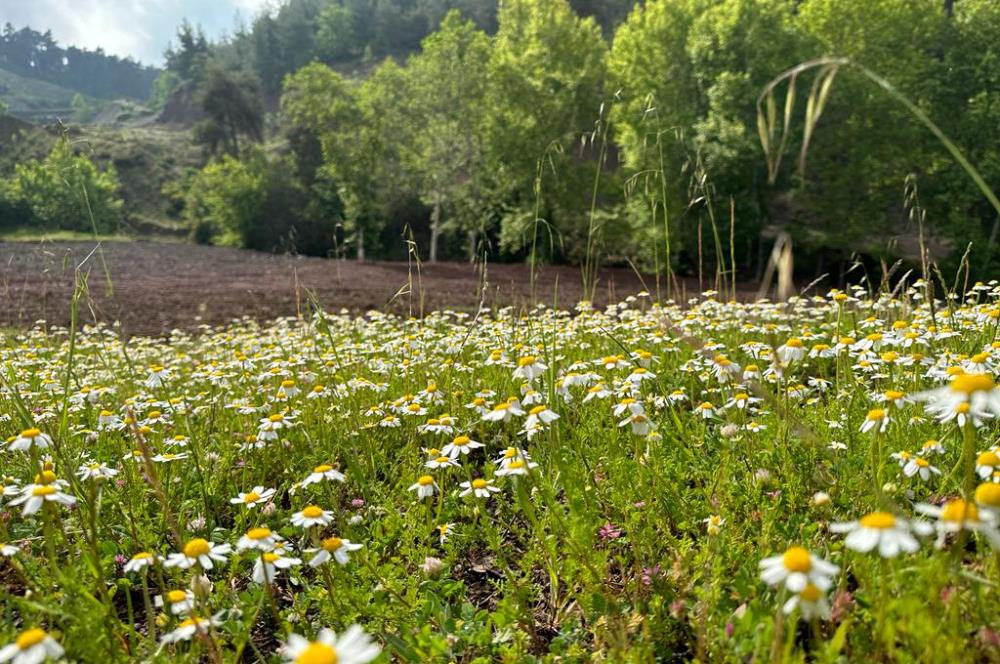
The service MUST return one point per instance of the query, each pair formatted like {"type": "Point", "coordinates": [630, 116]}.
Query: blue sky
{"type": "Point", "coordinates": [140, 28]}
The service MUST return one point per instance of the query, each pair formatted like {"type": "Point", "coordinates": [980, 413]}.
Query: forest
{"type": "Point", "coordinates": [589, 132]}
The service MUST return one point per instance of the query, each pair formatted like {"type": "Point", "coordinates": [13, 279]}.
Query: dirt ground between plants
{"type": "Point", "coordinates": [157, 287]}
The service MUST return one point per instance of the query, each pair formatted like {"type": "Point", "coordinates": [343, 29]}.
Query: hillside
{"type": "Point", "coordinates": [33, 99]}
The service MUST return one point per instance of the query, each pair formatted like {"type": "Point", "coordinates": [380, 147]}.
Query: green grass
{"type": "Point", "coordinates": [34, 235]}
{"type": "Point", "coordinates": [601, 552]}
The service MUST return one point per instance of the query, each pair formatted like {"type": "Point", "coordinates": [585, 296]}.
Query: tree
{"type": "Point", "coordinates": [231, 101]}
{"type": "Point", "coordinates": [67, 191]}
{"type": "Point", "coordinates": [361, 130]}
{"type": "Point", "coordinates": [447, 95]}
{"type": "Point", "coordinates": [546, 72]}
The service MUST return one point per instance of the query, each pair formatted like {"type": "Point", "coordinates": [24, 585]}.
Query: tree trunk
{"type": "Point", "coordinates": [435, 227]}
{"type": "Point", "coordinates": [361, 246]}
{"type": "Point", "coordinates": [472, 246]}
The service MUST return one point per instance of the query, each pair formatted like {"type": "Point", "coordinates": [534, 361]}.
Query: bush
{"type": "Point", "coordinates": [257, 203]}
{"type": "Point", "coordinates": [66, 191]}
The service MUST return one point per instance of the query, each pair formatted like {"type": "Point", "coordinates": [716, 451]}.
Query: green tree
{"type": "Point", "coordinates": [67, 191]}
{"type": "Point", "coordinates": [232, 104]}
{"type": "Point", "coordinates": [447, 94]}
{"type": "Point", "coordinates": [545, 92]}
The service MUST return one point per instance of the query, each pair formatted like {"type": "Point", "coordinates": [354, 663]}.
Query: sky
{"type": "Point", "coordinates": [137, 28]}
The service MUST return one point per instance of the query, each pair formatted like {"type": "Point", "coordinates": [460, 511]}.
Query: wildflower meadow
{"type": "Point", "coordinates": [813, 480]}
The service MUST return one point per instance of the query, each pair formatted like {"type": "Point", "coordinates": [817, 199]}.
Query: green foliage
{"type": "Point", "coordinates": [232, 103]}
{"type": "Point", "coordinates": [65, 191]}
{"type": "Point", "coordinates": [164, 86]}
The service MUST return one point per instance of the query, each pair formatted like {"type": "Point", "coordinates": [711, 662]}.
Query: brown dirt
{"type": "Point", "coordinates": [157, 287]}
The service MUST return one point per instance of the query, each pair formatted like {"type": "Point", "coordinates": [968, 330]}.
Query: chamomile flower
{"type": "Point", "coordinates": [95, 471]}
{"type": "Point", "coordinates": [8, 550]}
{"type": "Point", "coordinates": [886, 531]}
{"type": "Point", "coordinates": [504, 411]}
{"type": "Point", "coordinates": [139, 562]}
{"type": "Point", "coordinates": [188, 628]}
{"type": "Point", "coordinates": [811, 601]}
{"type": "Point", "coordinates": [987, 497]}
{"type": "Point", "coordinates": [179, 601]}
{"type": "Point", "coordinates": [529, 368]}
{"type": "Point", "coordinates": [956, 515]}
{"type": "Point", "coordinates": [199, 552]}
{"type": "Point", "coordinates": [969, 396]}
{"type": "Point", "coordinates": [921, 467]}
{"type": "Point", "coordinates": [352, 647]}
{"type": "Point", "coordinates": [260, 539]}
{"type": "Point", "coordinates": [33, 496]}
{"type": "Point", "coordinates": [796, 568]}
{"type": "Point", "coordinates": [312, 515]}
{"type": "Point", "coordinates": [480, 487]}
{"type": "Point", "coordinates": [424, 486]}
{"type": "Point", "coordinates": [31, 646]}
{"type": "Point", "coordinates": [335, 548]}
{"type": "Point", "coordinates": [266, 567]}
{"type": "Point", "coordinates": [460, 445]}
{"type": "Point", "coordinates": [31, 439]}
{"type": "Point", "coordinates": [792, 350]}
{"type": "Point", "coordinates": [876, 420]}
{"type": "Point", "coordinates": [321, 473]}
{"type": "Point", "coordinates": [986, 463]}
{"type": "Point", "coordinates": [713, 524]}
{"type": "Point", "coordinates": [255, 496]}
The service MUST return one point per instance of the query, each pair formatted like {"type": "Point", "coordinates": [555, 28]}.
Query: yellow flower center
{"type": "Point", "coordinates": [811, 593]}
{"type": "Point", "coordinates": [251, 497]}
{"type": "Point", "coordinates": [876, 414]}
{"type": "Point", "coordinates": [259, 533]}
{"type": "Point", "coordinates": [196, 547]}
{"type": "Point", "coordinates": [979, 358]}
{"type": "Point", "coordinates": [323, 468]}
{"type": "Point", "coordinates": [153, 414]}
{"type": "Point", "coordinates": [175, 596]}
{"type": "Point", "coordinates": [31, 433]}
{"type": "Point", "coordinates": [425, 480]}
{"type": "Point", "coordinates": [461, 441]}
{"type": "Point", "coordinates": [797, 559]}
{"type": "Point", "coordinates": [443, 459]}
{"type": "Point", "coordinates": [479, 483]}
{"type": "Point", "coordinates": [30, 638]}
{"type": "Point", "coordinates": [288, 383]}
{"type": "Point", "coordinates": [536, 410]}
{"type": "Point", "coordinates": [989, 458]}
{"type": "Point", "coordinates": [43, 490]}
{"type": "Point", "coordinates": [742, 396]}
{"type": "Point", "coordinates": [526, 360]}
{"type": "Point", "coordinates": [962, 408]}
{"type": "Point", "coordinates": [892, 395]}
{"type": "Point", "coordinates": [988, 494]}
{"type": "Point", "coordinates": [331, 544]}
{"type": "Point", "coordinates": [516, 463]}
{"type": "Point", "coordinates": [969, 383]}
{"type": "Point", "coordinates": [958, 511]}
{"type": "Point", "coordinates": [312, 512]}
{"type": "Point", "coordinates": [277, 417]}
{"type": "Point", "coordinates": [317, 653]}
{"type": "Point", "coordinates": [270, 557]}
{"type": "Point", "coordinates": [878, 520]}
{"type": "Point", "coordinates": [891, 356]}
{"type": "Point", "coordinates": [794, 342]}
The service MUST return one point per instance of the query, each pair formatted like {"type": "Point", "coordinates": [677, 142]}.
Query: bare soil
{"type": "Point", "coordinates": [156, 287]}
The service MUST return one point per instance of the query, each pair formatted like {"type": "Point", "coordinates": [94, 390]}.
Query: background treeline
{"type": "Point", "coordinates": [37, 55]}
{"type": "Point", "coordinates": [584, 130]}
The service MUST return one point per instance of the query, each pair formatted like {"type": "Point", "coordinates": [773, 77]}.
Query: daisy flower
{"type": "Point", "coordinates": [267, 566]}
{"type": "Point", "coordinates": [811, 601]}
{"type": "Point", "coordinates": [441, 462]}
{"type": "Point", "coordinates": [334, 547]}
{"type": "Point", "coordinates": [352, 647]}
{"type": "Point", "coordinates": [31, 647]}
{"type": "Point", "coordinates": [180, 601]}
{"type": "Point", "coordinates": [260, 539]}
{"type": "Point", "coordinates": [883, 530]}
{"type": "Point", "coordinates": [539, 415]}
{"type": "Point", "coordinates": [188, 628]}
{"type": "Point", "coordinates": [796, 568]}
{"type": "Point", "coordinates": [33, 496]}
{"type": "Point", "coordinates": [8, 550]}
{"type": "Point", "coordinates": [987, 496]}
{"type": "Point", "coordinates": [199, 552]}
{"type": "Point", "coordinates": [312, 515]}
{"type": "Point", "coordinates": [714, 524]}
{"type": "Point", "coordinates": [956, 515]}
{"type": "Point", "coordinates": [95, 471]}
{"type": "Point", "coordinates": [986, 463]}
{"type": "Point", "coordinates": [921, 467]}
{"type": "Point", "coordinates": [460, 445]}
{"type": "Point", "coordinates": [969, 395]}
{"type": "Point", "coordinates": [479, 487]}
{"type": "Point", "coordinates": [791, 351]}
{"type": "Point", "coordinates": [424, 486]}
{"type": "Point", "coordinates": [323, 472]}
{"type": "Point", "coordinates": [504, 411]}
{"type": "Point", "coordinates": [30, 438]}
{"type": "Point", "coordinates": [529, 367]}
{"type": "Point", "coordinates": [876, 419]}
{"type": "Point", "coordinates": [255, 496]}
{"type": "Point", "coordinates": [139, 562]}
